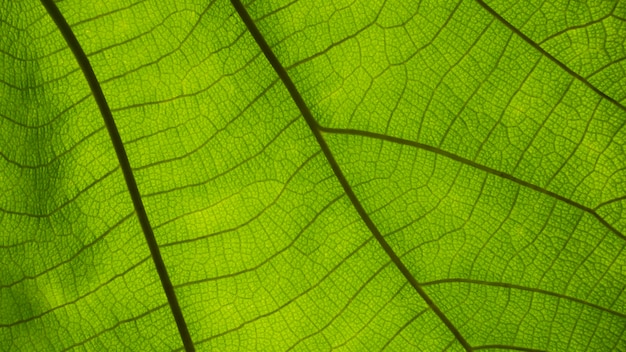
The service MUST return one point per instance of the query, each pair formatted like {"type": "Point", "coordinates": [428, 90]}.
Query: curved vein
{"type": "Point", "coordinates": [506, 347]}
{"type": "Point", "coordinates": [547, 55]}
{"type": "Point", "coordinates": [317, 132]}
{"type": "Point", "coordinates": [527, 289]}
{"type": "Point", "coordinates": [476, 165]}
{"type": "Point", "coordinates": [131, 183]}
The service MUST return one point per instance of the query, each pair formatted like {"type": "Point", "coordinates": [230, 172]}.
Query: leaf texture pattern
{"type": "Point", "coordinates": [348, 175]}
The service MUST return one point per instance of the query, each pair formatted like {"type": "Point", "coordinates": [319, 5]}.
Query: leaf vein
{"type": "Point", "coordinates": [472, 163]}
{"type": "Point", "coordinates": [317, 132]}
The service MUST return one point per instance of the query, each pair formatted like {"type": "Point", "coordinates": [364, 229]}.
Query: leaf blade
{"type": "Point", "coordinates": [480, 162]}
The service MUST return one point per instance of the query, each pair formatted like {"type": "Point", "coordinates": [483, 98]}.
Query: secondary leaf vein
{"type": "Point", "coordinates": [476, 165]}
{"type": "Point", "coordinates": [549, 56]}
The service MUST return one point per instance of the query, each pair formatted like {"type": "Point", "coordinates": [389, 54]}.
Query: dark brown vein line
{"type": "Point", "coordinates": [115, 326]}
{"type": "Point", "coordinates": [217, 131]}
{"type": "Point", "coordinates": [346, 305]}
{"type": "Point", "coordinates": [105, 14]}
{"type": "Point", "coordinates": [605, 66]}
{"type": "Point", "coordinates": [163, 55]}
{"type": "Point", "coordinates": [269, 259]}
{"type": "Point", "coordinates": [69, 258]}
{"type": "Point", "coordinates": [54, 119]}
{"type": "Point", "coordinates": [60, 207]}
{"type": "Point", "coordinates": [28, 88]}
{"type": "Point", "coordinates": [317, 132]}
{"type": "Point", "coordinates": [292, 300]}
{"type": "Point", "coordinates": [547, 55]}
{"type": "Point", "coordinates": [358, 334]}
{"type": "Point", "coordinates": [230, 169]}
{"type": "Point", "coordinates": [75, 301]}
{"type": "Point", "coordinates": [507, 347]}
{"type": "Point", "coordinates": [401, 329]}
{"type": "Point", "coordinates": [583, 25]}
{"type": "Point", "coordinates": [56, 157]}
{"type": "Point", "coordinates": [476, 165]}
{"type": "Point", "coordinates": [603, 204]}
{"type": "Point", "coordinates": [527, 289]}
{"type": "Point", "coordinates": [244, 224]}
{"type": "Point", "coordinates": [133, 190]}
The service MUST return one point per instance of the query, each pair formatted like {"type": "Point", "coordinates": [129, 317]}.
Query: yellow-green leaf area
{"type": "Point", "coordinates": [304, 176]}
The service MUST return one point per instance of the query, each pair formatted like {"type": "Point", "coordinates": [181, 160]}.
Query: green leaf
{"type": "Point", "coordinates": [304, 175]}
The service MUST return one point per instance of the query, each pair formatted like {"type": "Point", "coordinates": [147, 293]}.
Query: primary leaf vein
{"type": "Point", "coordinates": [122, 157]}
{"type": "Point", "coordinates": [316, 130]}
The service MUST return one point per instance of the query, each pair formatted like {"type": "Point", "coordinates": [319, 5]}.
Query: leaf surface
{"type": "Point", "coordinates": [356, 175]}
